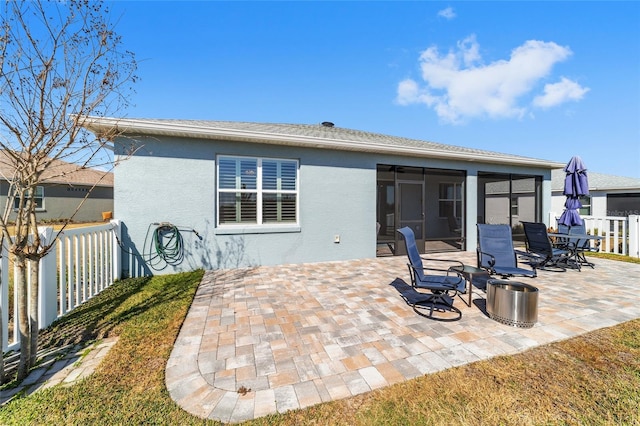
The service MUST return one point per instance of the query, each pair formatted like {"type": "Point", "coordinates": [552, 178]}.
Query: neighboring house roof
{"type": "Point", "coordinates": [61, 172]}
{"type": "Point", "coordinates": [323, 135]}
{"type": "Point", "coordinates": [597, 182]}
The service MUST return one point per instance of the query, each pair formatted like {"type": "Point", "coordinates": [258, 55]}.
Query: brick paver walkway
{"type": "Point", "coordinates": [271, 339]}
{"type": "Point", "coordinates": [60, 366]}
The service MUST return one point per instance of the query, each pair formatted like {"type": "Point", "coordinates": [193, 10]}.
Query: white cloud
{"type": "Point", "coordinates": [459, 86]}
{"type": "Point", "coordinates": [407, 92]}
{"type": "Point", "coordinates": [558, 93]}
{"type": "Point", "coordinates": [447, 13]}
{"type": "Point", "coordinates": [410, 93]}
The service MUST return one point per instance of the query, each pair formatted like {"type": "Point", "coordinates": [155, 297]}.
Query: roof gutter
{"type": "Point", "coordinates": [138, 127]}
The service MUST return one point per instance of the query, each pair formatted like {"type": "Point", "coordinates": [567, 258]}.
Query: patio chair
{"type": "Point", "coordinates": [577, 246]}
{"type": "Point", "coordinates": [541, 250]}
{"type": "Point", "coordinates": [496, 253]}
{"type": "Point", "coordinates": [563, 240]}
{"type": "Point", "coordinates": [441, 289]}
{"type": "Point", "coordinates": [583, 245]}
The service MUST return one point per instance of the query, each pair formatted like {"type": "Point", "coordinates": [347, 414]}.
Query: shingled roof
{"type": "Point", "coordinates": [61, 172]}
{"type": "Point", "coordinates": [598, 182]}
{"type": "Point", "coordinates": [324, 135]}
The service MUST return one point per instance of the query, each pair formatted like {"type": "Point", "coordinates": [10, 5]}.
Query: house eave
{"type": "Point", "coordinates": [133, 128]}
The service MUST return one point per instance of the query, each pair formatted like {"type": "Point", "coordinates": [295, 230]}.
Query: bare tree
{"type": "Point", "coordinates": [60, 62]}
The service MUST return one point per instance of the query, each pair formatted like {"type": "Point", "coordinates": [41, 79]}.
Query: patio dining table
{"type": "Point", "coordinates": [571, 242]}
{"type": "Point", "coordinates": [567, 238]}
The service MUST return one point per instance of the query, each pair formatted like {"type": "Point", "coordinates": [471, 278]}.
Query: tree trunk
{"type": "Point", "coordinates": [21, 288]}
{"type": "Point", "coordinates": [75, 63]}
{"type": "Point", "coordinates": [34, 268]}
{"type": "Point", "coordinates": [1, 341]}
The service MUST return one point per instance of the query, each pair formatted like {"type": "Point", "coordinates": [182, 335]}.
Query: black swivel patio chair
{"type": "Point", "coordinates": [496, 253]}
{"type": "Point", "coordinates": [434, 293]}
{"type": "Point", "coordinates": [541, 251]}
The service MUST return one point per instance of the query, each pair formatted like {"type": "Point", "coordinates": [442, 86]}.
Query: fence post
{"type": "Point", "coordinates": [47, 283]}
{"type": "Point", "coordinates": [116, 253]}
{"type": "Point", "coordinates": [552, 220]}
{"type": "Point", "coordinates": [4, 298]}
{"type": "Point", "coordinates": [634, 236]}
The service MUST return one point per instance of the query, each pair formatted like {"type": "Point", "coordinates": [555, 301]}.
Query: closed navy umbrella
{"type": "Point", "coordinates": [576, 183]}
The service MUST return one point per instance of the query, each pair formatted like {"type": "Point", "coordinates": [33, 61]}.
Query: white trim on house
{"type": "Point", "coordinates": [309, 136]}
{"type": "Point", "coordinates": [259, 190]}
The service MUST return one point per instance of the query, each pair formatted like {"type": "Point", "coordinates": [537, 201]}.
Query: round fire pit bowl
{"type": "Point", "coordinates": [512, 303]}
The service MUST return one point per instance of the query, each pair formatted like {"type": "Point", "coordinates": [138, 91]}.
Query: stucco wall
{"type": "Point", "coordinates": [599, 204]}
{"type": "Point", "coordinates": [173, 180]}
{"type": "Point", "coordinates": [61, 202]}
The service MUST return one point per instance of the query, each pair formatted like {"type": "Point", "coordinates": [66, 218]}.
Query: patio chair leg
{"type": "Point", "coordinates": [437, 303]}
{"type": "Point", "coordinates": [582, 260]}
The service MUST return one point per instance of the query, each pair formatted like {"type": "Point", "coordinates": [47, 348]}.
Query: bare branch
{"type": "Point", "coordinates": [59, 62]}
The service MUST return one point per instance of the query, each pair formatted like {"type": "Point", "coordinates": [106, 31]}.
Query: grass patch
{"type": "Point", "coordinates": [591, 379]}
{"type": "Point", "coordinates": [613, 256]}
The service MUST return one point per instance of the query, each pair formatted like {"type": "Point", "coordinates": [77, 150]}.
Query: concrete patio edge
{"type": "Point", "coordinates": [272, 339]}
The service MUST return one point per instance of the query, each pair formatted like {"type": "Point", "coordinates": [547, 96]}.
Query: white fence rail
{"type": "Point", "coordinates": [620, 235]}
{"type": "Point", "coordinates": [82, 263]}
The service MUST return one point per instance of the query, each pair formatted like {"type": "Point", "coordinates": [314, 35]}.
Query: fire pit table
{"type": "Point", "coordinates": [512, 303]}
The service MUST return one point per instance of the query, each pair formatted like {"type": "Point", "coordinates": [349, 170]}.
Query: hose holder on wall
{"type": "Point", "coordinates": [166, 246]}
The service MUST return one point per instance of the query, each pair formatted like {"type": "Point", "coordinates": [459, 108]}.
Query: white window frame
{"type": "Point", "coordinates": [585, 210]}
{"type": "Point", "coordinates": [259, 191]}
{"type": "Point", "coordinates": [38, 209]}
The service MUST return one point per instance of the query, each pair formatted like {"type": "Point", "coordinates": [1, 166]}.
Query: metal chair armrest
{"type": "Point", "coordinates": [492, 260]}
{"type": "Point", "coordinates": [450, 261]}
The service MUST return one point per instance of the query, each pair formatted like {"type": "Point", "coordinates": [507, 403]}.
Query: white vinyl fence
{"type": "Point", "coordinates": [82, 263]}
{"type": "Point", "coordinates": [620, 235]}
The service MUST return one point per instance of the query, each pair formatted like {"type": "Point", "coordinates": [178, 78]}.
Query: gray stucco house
{"type": "Point", "coordinates": [265, 194]}
{"type": "Point", "coordinates": [609, 195]}
{"type": "Point", "coordinates": [64, 187]}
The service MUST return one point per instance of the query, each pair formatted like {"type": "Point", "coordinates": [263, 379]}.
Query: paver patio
{"type": "Point", "coordinates": [272, 339]}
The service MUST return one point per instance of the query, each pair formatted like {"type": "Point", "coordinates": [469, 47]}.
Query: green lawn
{"type": "Point", "coordinates": [593, 379]}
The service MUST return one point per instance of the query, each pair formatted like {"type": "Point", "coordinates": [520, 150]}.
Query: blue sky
{"type": "Point", "coordinates": [541, 79]}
